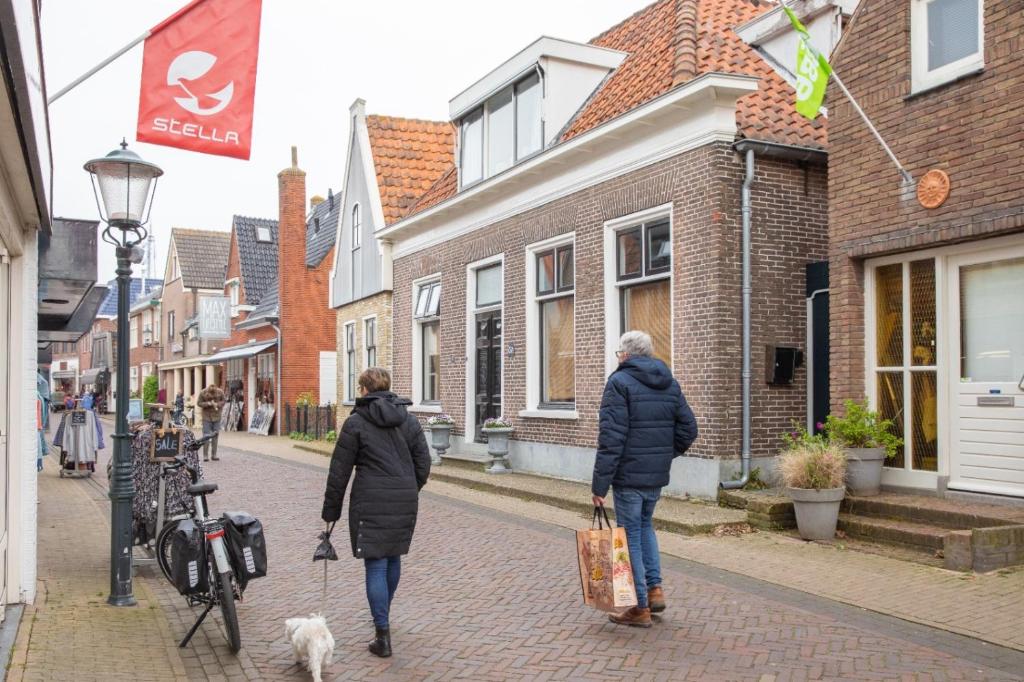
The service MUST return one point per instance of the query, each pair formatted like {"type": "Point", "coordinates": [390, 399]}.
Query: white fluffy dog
{"type": "Point", "coordinates": [311, 642]}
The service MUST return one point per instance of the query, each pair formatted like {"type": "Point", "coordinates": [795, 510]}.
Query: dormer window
{"type": "Point", "coordinates": [504, 130]}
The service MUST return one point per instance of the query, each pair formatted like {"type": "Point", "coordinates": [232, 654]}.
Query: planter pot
{"type": "Point", "coordinates": [440, 440]}
{"type": "Point", "coordinates": [864, 470]}
{"type": "Point", "coordinates": [817, 511]}
{"type": "Point", "coordinates": [497, 448]}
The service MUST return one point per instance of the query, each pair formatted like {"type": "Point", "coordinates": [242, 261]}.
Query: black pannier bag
{"type": "Point", "coordinates": [189, 568]}
{"type": "Point", "coordinates": [247, 548]}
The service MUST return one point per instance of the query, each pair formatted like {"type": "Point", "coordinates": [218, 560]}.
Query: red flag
{"type": "Point", "coordinates": [199, 78]}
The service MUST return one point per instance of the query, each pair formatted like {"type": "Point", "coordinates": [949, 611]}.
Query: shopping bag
{"type": "Point", "coordinates": [606, 573]}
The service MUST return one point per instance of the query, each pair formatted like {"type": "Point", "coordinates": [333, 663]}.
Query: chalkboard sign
{"type": "Point", "coordinates": [78, 418]}
{"type": "Point", "coordinates": [167, 444]}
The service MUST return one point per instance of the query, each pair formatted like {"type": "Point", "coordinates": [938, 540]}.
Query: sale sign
{"type": "Point", "coordinates": [199, 78]}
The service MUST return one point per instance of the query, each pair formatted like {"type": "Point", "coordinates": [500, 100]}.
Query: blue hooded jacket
{"type": "Point", "coordinates": [644, 423]}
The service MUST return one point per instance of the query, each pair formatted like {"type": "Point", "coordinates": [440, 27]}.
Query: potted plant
{"type": "Point", "coordinates": [812, 470]}
{"type": "Point", "coordinates": [497, 429]}
{"type": "Point", "coordinates": [867, 440]}
{"type": "Point", "coordinates": [440, 426]}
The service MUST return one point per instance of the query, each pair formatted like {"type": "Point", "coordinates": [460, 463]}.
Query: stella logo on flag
{"type": "Point", "coordinates": [812, 71]}
{"type": "Point", "coordinates": [199, 78]}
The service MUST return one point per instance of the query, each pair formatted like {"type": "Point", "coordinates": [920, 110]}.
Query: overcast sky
{"type": "Point", "coordinates": [404, 57]}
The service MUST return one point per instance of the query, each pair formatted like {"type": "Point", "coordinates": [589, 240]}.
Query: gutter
{"type": "Point", "coordinates": [278, 379]}
{"type": "Point", "coordinates": [783, 152]}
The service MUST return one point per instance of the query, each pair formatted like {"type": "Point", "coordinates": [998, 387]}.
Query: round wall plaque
{"type": "Point", "coordinates": [933, 188]}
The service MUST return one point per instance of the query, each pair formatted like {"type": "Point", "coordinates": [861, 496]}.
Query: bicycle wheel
{"type": "Point", "coordinates": [227, 609]}
{"type": "Point", "coordinates": [163, 550]}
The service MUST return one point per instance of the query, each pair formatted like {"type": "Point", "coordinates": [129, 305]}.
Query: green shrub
{"type": "Point", "coordinates": [331, 435]}
{"type": "Point", "coordinates": [861, 427]}
{"type": "Point", "coordinates": [305, 399]}
{"type": "Point", "coordinates": [150, 389]}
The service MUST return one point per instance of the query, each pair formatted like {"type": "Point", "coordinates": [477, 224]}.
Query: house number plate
{"type": "Point", "coordinates": [995, 401]}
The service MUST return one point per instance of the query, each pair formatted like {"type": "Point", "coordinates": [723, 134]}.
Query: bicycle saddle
{"type": "Point", "coordinates": [201, 488]}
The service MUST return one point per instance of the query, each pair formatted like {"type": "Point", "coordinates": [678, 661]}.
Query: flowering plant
{"type": "Point", "coordinates": [440, 420]}
{"type": "Point", "coordinates": [799, 435]}
{"type": "Point", "coordinates": [497, 423]}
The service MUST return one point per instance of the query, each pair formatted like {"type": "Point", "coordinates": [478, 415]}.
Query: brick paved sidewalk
{"type": "Point", "coordinates": [70, 633]}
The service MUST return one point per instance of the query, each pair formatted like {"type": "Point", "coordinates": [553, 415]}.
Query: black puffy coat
{"type": "Point", "coordinates": [386, 446]}
{"type": "Point", "coordinates": [644, 423]}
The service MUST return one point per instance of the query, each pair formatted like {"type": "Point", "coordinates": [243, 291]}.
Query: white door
{"type": "Point", "coordinates": [986, 303]}
{"type": "Point", "coordinates": [328, 377]}
{"type": "Point", "coordinates": [5, 420]}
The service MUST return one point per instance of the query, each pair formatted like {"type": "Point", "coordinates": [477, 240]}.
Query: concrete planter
{"type": "Point", "coordinates": [817, 511]}
{"type": "Point", "coordinates": [440, 440]}
{"type": "Point", "coordinates": [497, 448]}
{"type": "Point", "coordinates": [864, 470]}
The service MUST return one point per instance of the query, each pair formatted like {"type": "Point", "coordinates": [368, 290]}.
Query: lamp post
{"type": "Point", "coordinates": [125, 185]}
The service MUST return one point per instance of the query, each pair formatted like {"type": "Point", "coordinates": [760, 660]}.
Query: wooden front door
{"type": "Point", "coordinates": [488, 368]}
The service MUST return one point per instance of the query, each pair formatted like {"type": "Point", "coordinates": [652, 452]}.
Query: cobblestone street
{"type": "Point", "coordinates": [486, 596]}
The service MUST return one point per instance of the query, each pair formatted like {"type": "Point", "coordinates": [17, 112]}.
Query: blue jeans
{"type": "Point", "coordinates": [382, 577]}
{"type": "Point", "coordinates": [634, 511]}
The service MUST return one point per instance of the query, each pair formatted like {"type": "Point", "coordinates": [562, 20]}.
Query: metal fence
{"type": "Point", "coordinates": [313, 420]}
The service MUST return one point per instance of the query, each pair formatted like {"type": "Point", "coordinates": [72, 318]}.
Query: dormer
{"type": "Point", "coordinates": [520, 107]}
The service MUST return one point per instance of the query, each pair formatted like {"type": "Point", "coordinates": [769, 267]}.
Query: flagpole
{"type": "Point", "coordinates": [91, 72]}
{"type": "Point", "coordinates": [878, 136]}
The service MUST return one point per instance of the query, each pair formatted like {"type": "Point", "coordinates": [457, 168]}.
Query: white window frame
{"type": "Point", "coordinates": [234, 285]}
{"type": "Point", "coordinates": [920, 77]}
{"type": "Point", "coordinates": [351, 372]}
{"type": "Point", "coordinates": [366, 346]}
{"type": "Point", "coordinates": [133, 379]}
{"type": "Point", "coordinates": [147, 369]}
{"type": "Point", "coordinates": [355, 242]}
{"type": "Point", "coordinates": [470, 324]}
{"type": "Point", "coordinates": [133, 331]}
{"type": "Point", "coordinates": [417, 345]}
{"type": "Point", "coordinates": [533, 325]}
{"type": "Point", "coordinates": [612, 287]}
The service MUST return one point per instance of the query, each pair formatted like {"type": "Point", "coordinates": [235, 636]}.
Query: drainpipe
{"type": "Point", "coordinates": [748, 180]}
{"type": "Point", "coordinates": [277, 379]}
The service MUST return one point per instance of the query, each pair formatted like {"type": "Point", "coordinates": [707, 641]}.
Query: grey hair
{"type": "Point", "coordinates": [636, 343]}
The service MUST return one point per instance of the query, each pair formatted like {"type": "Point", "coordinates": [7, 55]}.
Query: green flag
{"type": "Point", "coordinates": [812, 72]}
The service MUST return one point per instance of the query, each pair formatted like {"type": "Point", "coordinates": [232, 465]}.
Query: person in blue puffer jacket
{"type": "Point", "coordinates": [644, 424]}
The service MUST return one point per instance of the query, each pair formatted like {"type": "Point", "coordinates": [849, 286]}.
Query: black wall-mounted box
{"type": "Point", "coordinates": [781, 363]}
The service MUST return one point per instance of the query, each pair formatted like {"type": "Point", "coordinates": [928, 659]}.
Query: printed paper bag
{"type": "Point", "coordinates": [605, 571]}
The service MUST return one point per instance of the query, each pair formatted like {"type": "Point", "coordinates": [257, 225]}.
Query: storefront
{"type": "Point", "coordinates": [249, 373]}
{"type": "Point", "coordinates": [945, 362]}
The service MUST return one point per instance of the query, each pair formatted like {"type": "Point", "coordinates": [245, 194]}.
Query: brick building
{"type": "Point", "coordinates": [927, 311]}
{"type": "Point", "coordinates": [598, 188]}
{"type": "Point", "coordinates": [144, 338]}
{"type": "Point", "coordinates": [196, 266]}
{"type": "Point", "coordinates": [391, 163]}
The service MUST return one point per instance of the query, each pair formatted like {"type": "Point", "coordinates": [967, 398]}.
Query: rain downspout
{"type": "Point", "coordinates": [748, 180]}
{"type": "Point", "coordinates": [277, 379]}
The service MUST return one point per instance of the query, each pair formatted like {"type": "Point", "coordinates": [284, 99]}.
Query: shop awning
{"type": "Point", "coordinates": [246, 351]}
{"type": "Point", "coordinates": [90, 376]}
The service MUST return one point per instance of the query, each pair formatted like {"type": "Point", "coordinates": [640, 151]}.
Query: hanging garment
{"type": "Point", "coordinates": [146, 475]}
{"type": "Point", "coordinates": [81, 440]}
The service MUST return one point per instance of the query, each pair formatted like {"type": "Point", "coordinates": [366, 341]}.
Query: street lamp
{"type": "Point", "coordinates": [126, 185]}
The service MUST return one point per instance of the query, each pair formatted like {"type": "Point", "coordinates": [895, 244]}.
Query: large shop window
{"type": "Point", "coordinates": [555, 296]}
{"type": "Point", "coordinates": [947, 40]}
{"type": "Point", "coordinates": [503, 131]}
{"type": "Point", "coordinates": [643, 256]}
{"type": "Point", "coordinates": [427, 319]}
{"type": "Point", "coordinates": [236, 369]}
{"type": "Point", "coordinates": [265, 370]}
{"type": "Point", "coordinates": [905, 359]}
{"type": "Point", "coordinates": [370, 336]}
{"type": "Point", "coordinates": [350, 362]}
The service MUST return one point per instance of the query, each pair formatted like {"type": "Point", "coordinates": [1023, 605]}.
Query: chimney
{"type": "Point", "coordinates": [291, 254]}
{"type": "Point", "coordinates": [315, 201]}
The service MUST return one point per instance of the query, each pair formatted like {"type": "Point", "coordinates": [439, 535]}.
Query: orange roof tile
{"type": "Point", "coordinates": [409, 156]}
{"type": "Point", "coordinates": [669, 42]}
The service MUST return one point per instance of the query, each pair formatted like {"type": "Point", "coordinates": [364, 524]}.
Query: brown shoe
{"type": "Point", "coordinates": [656, 599]}
{"type": "Point", "coordinates": [636, 617]}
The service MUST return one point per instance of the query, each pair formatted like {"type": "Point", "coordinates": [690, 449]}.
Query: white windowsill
{"type": "Point", "coordinates": [549, 414]}
{"type": "Point", "coordinates": [433, 409]}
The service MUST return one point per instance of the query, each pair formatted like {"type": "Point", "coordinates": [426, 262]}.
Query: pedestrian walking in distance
{"type": "Point", "coordinates": [386, 447]}
{"type": "Point", "coordinates": [644, 424]}
{"type": "Point", "coordinates": [211, 401]}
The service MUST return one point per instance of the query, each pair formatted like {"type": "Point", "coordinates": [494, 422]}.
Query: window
{"type": "Point", "coordinates": [904, 356]}
{"type": "Point", "coordinates": [236, 369]}
{"type": "Point", "coordinates": [643, 257]}
{"type": "Point", "coordinates": [506, 129]}
{"type": "Point", "coordinates": [147, 369]}
{"type": "Point", "coordinates": [427, 301]}
{"type": "Point", "coordinates": [947, 40]}
{"type": "Point", "coordinates": [350, 361]}
{"type": "Point", "coordinates": [356, 239]}
{"type": "Point", "coordinates": [263, 235]}
{"type": "Point", "coordinates": [370, 341]}
{"type": "Point", "coordinates": [234, 294]}
{"type": "Point", "coordinates": [556, 329]}
{"type": "Point", "coordinates": [357, 227]}
{"type": "Point", "coordinates": [133, 331]}
{"type": "Point", "coordinates": [133, 383]}
{"type": "Point", "coordinates": [265, 366]}
{"type": "Point", "coordinates": [170, 326]}
{"type": "Point", "coordinates": [488, 286]}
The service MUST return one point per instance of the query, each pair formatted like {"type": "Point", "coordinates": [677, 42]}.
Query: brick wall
{"type": "Point", "coordinates": [142, 354]}
{"type": "Point", "coordinates": [703, 186]}
{"type": "Point", "coordinates": [306, 319]}
{"type": "Point", "coordinates": [972, 129]}
{"type": "Point", "coordinates": [379, 305]}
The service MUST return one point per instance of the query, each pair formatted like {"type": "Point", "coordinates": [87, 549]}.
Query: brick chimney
{"type": "Point", "coordinates": [291, 264]}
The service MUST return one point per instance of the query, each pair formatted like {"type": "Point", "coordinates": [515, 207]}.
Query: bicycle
{"type": "Point", "coordinates": [221, 590]}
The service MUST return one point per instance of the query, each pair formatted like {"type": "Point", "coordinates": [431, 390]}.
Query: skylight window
{"type": "Point", "coordinates": [263, 235]}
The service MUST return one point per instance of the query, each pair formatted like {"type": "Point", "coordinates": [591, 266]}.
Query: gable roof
{"type": "Point", "coordinates": [108, 308]}
{"type": "Point", "coordinates": [257, 260]}
{"type": "Point", "coordinates": [409, 155]}
{"type": "Point", "coordinates": [669, 43]}
{"type": "Point", "coordinates": [321, 227]}
{"type": "Point", "coordinates": [202, 257]}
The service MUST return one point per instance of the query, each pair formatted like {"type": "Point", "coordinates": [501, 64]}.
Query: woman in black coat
{"type": "Point", "coordinates": [386, 446]}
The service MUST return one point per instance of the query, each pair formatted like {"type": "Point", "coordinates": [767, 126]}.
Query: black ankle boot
{"type": "Point", "coordinates": [381, 644]}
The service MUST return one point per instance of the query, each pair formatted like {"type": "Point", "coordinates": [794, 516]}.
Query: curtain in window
{"type": "Point", "coordinates": [648, 308]}
{"type": "Point", "coordinates": [558, 353]}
